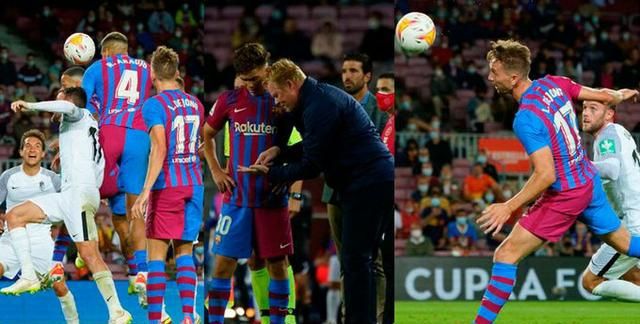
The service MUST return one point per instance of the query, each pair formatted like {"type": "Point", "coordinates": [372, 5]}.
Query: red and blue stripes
{"type": "Point", "coordinates": [114, 108]}
{"type": "Point", "coordinates": [61, 245]}
{"type": "Point", "coordinates": [156, 285]}
{"type": "Point", "coordinates": [278, 300]}
{"type": "Point", "coordinates": [219, 292]}
{"type": "Point", "coordinates": [187, 280]}
{"type": "Point", "coordinates": [573, 169]}
{"type": "Point", "coordinates": [503, 278]}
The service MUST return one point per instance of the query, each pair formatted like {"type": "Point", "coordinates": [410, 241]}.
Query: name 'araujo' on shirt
{"type": "Point", "coordinates": [182, 116]}
{"type": "Point", "coordinates": [121, 84]}
{"type": "Point", "coordinates": [546, 118]}
{"type": "Point", "coordinates": [253, 128]}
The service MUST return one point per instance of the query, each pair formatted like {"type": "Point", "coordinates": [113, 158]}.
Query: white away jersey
{"type": "Point", "coordinates": [615, 142]}
{"type": "Point", "coordinates": [81, 157]}
{"type": "Point", "coordinates": [16, 187]}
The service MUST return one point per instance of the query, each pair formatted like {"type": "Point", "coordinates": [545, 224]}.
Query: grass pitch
{"type": "Point", "coordinates": [545, 312]}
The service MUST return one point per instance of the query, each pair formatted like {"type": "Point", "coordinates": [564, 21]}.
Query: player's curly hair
{"type": "Point", "coordinates": [515, 56]}
{"type": "Point", "coordinates": [250, 56]}
{"type": "Point", "coordinates": [164, 63]}
{"type": "Point", "coordinates": [285, 70]}
{"type": "Point", "coordinates": [33, 133]}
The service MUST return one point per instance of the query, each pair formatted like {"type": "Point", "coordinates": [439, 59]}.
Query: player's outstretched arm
{"type": "Point", "coordinates": [157, 157]}
{"type": "Point", "coordinates": [54, 106]}
{"type": "Point", "coordinates": [607, 96]}
{"type": "Point", "coordinates": [222, 179]}
{"type": "Point", "coordinates": [494, 216]}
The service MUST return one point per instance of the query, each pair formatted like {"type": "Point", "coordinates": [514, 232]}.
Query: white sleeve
{"type": "Point", "coordinates": [72, 112]}
{"type": "Point", "coordinates": [608, 168]}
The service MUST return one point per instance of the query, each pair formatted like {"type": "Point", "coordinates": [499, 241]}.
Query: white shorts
{"type": "Point", "coordinates": [41, 253]}
{"type": "Point", "coordinates": [610, 264]}
{"type": "Point", "coordinates": [76, 207]}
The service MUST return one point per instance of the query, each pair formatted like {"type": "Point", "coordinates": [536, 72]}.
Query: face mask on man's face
{"type": "Point", "coordinates": [385, 101]}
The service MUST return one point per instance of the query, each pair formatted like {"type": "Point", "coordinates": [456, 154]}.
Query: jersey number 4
{"type": "Point", "coordinates": [178, 126]}
{"type": "Point", "coordinates": [128, 87]}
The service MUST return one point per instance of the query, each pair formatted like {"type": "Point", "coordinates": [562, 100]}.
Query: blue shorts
{"type": "Point", "coordinates": [118, 204]}
{"type": "Point", "coordinates": [134, 161]}
{"type": "Point", "coordinates": [599, 216]}
{"type": "Point", "coordinates": [241, 230]}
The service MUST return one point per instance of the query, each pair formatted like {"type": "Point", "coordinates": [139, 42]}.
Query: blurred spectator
{"type": "Point", "coordinates": [442, 87]}
{"type": "Point", "coordinates": [487, 167]}
{"type": "Point", "coordinates": [565, 246]}
{"type": "Point", "coordinates": [630, 72]}
{"type": "Point", "coordinates": [22, 92]}
{"type": "Point", "coordinates": [417, 244]}
{"type": "Point", "coordinates": [473, 80]}
{"type": "Point", "coordinates": [105, 234]}
{"type": "Point", "coordinates": [410, 215]}
{"type": "Point", "coordinates": [477, 183]}
{"type": "Point", "coordinates": [447, 181]}
{"type": "Point", "coordinates": [378, 41]}
{"type": "Point", "coordinates": [248, 31]}
{"type": "Point", "coordinates": [434, 222]}
{"type": "Point", "coordinates": [480, 112]}
{"type": "Point", "coordinates": [292, 35]}
{"type": "Point", "coordinates": [461, 234]}
{"type": "Point", "coordinates": [581, 240]}
{"type": "Point", "coordinates": [144, 39]}
{"type": "Point", "coordinates": [5, 110]}
{"type": "Point", "coordinates": [185, 17]}
{"type": "Point", "coordinates": [29, 73]}
{"type": "Point", "coordinates": [54, 72]}
{"type": "Point", "coordinates": [422, 188]}
{"type": "Point", "coordinates": [439, 149]}
{"type": "Point", "coordinates": [8, 74]}
{"type": "Point", "coordinates": [175, 41]}
{"type": "Point", "coordinates": [161, 21]}
{"type": "Point", "coordinates": [545, 250]}
{"type": "Point", "coordinates": [409, 156]}
{"type": "Point", "coordinates": [423, 157]}
{"type": "Point", "coordinates": [327, 42]}
{"type": "Point", "coordinates": [49, 25]}
{"type": "Point", "coordinates": [88, 24]}
{"type": "Point", "coordinates": [436, 199]}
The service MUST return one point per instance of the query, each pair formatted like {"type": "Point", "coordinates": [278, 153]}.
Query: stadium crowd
{"type": "Point", "coordinates": [32, 73]}
{"type": "Point", "coordinates": [442, 186]}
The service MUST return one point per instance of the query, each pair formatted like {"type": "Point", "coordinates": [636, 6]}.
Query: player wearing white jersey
{"type": "Point", "coordinates": [82, 166]}
{"type": "Point", "coordinates": [18, 184]}
{"type": "Point", "coordinates": [609, 273]}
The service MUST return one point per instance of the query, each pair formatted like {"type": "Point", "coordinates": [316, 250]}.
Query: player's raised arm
{"type": "Point", "coordinates": [54, 106]}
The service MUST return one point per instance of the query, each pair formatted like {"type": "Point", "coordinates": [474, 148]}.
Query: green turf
{"type": "Point", "coordinates": [546, 312]}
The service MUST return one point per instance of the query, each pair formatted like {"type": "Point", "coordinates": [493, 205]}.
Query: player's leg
{"type": "Point", "coordinates": [233, 240]}
{"type": "Point", "coordinates": [61, 244]}
{"type": "Point", "coordinates": [103, 278]}
{"type": "Point", "coordinates": [518, 244]}
{"type": "Point", "coordinates": [273, 243]}
{"type": "Point", "coordinates": [260, 285]}
{"type": "Point", "coordinates": [156, 278]}
{"type": "Point", "coordinates": [605, 271]}
{"type": "Point", "coordinates": [133, 167]}
{"type": "Point", "coordinates": [67, 302]}
{"type": "Point", "coordinates": [333, 294]}
{"type": "Point", "coordinates": [17, 218]}
{"type": "Point", "coordinates": [121, 226]}
{"type": "Point", "coordinates": [186, 276]}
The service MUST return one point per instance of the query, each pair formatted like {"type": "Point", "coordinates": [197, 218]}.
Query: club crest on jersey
{"type": "Point", "coordinates": [607, 146]}
{"type": "Point", "coordinates": [42, 186]}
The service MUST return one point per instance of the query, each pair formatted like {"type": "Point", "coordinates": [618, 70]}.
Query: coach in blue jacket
{"type": "Point", "coordinates": [339, 139]}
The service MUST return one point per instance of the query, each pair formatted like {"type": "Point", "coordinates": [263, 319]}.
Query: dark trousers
{"type": "Point", "coordinates": [388, 259]}
{"type": "Point", "coordinates": [364, 214]}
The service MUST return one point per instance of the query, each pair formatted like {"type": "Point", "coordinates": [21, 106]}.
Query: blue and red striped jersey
{"type": "Point", "coordinates": [182, 116]}
{"type": "Point", "coordinates": [121, 85]}
{"type": "Point", "coordinates": [252, 129]}
{"type": "Point", "coordinates": [546, 118]}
